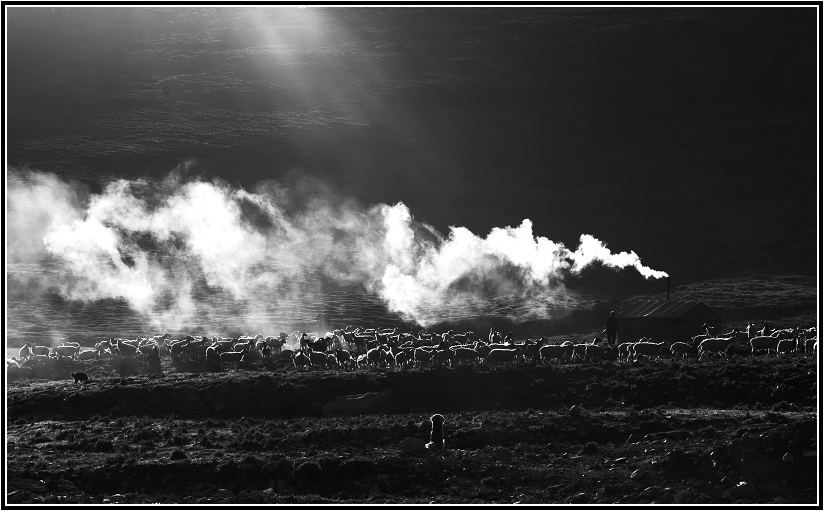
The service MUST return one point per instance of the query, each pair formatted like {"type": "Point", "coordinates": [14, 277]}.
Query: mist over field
{"type": "Point", "coordinates": [168, 248]}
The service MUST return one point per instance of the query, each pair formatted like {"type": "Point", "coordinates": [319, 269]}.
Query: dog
{"type": "Point", "coordinates": [436, 437]}
{"type": "Point", "coordinates": [81, 377]}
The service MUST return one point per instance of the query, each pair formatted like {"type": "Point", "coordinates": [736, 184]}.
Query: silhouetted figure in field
{"type": "Point", "coordinates": [436, 437]}
{"type": "Point", "coordinates": [611, 328]}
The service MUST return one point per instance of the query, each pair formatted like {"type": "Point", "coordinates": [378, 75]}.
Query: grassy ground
{"type": "Point", "coordinates": [710, 432]}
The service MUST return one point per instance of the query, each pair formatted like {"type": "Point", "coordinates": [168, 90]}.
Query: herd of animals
{"type": "Point", "coordinates": [351, 348]}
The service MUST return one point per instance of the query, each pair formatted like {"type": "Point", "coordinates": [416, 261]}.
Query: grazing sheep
{"type": "Point", "coordinates": [579, 351]}
{"type": "Point", "coordinates": [402, 359]}
{"type": "Point", "coordinates": [300, 360]}
{"type": "Point", "coordinates": [388, 356]}
{"type": "Point", "coordinates": [12, 363]}
{"type": "Point", "coordinates": [764, 342]}
{"type": "Point", "coordinates": [595, 353]}
{"type": "Point", "coordinates": [444, 357]}
{"type": "Point", "coordinates": [317, 359]}
{"type": "Point", "coordinates": [718, 345]}
{"type": "Point", "coordinates": [39, 350]}
{"type": "Point", "coordinates": [126, 349]}
{"type": "Point", "coordinates": [555, 353]}
{"type": "Point", "coordinates": [197, 348]}
{"type": "Point", "coordinates": [465, 355]}
{"type": "Point", "coordinates": [66, 351]}
{"type": "Point", "coordinates": [648, 349]}
{"type": "Point", "coordinates": [624, 351]}
{"type": "Point", "coordinates": [681, 350]}
{"type": "Point", "coordinates": [25, 352]}
{"type": "Point", "coordinates": [502, 356]}
{"type": "Point", "coordinates": [422, 357]}
{"type": "Point", "coordinates": [436, 441]}
{"type": "Point", "coordinates": [809, 345]}
{"type": "Point", "coordinates": [786, 346]}
{"type": "Point", "coordinates": [532, 350]}
{"type": "Point", "coordinates": [232, 357]}
{"type": "Point", "coordinates": [276, 343]}
{"type": "Point", "coordinates": [374, 357]}
{"type": "Point", "coordinates": [344, 358]}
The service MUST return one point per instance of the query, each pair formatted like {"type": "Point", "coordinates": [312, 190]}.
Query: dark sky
{"type": "Point", "coordinates": [685, 134]}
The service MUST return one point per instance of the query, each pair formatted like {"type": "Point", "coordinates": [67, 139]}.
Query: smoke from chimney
{"type": "Point", "coordinates": [175, 248]}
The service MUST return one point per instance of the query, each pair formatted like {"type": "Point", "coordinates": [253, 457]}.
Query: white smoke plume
{"type": "Point", "coordinates": [182, 249]}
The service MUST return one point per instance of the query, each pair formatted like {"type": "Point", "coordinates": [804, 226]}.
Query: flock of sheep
{"type": "Point", "coordinates": [352, 348]}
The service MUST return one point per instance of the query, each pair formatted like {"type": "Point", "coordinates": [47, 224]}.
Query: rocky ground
{"type": "Point", "coordinates": [737, 431]}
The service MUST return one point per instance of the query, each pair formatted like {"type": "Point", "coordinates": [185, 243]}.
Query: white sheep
{"type": "Point", "coordinates": [624, 351]}
{"type": "Point", "coordinates": [232, 357]}
{"type": "Point", "coordinates": [595, 353]}
{"type": "Point", "coordinates": [554, 353]}
{"type": "Point", "coordinates": [25, 352]}
{"type": "Point", "coordinates": [66, 351]}
{"type": "Point", "coordinates": [717, 345]}
{"type": "Point", "coordinates": [465, 355]}
{"type": "Point", "coordinates": [126, 349]}
{"type": "Point", "coordinates": [648, 349]}
{"type": "Point", "coordinates": [344, 358]}
{"type": "Point", "coordinates": [402, 359]}
{"type": "Point", "coordinates": [786, 346]}
{"type": "Point", "coordinates": [300, 360]}
{"type": "Point", "coordinates": [502, 356]}
{"type": "Point", "coordinates": [88, 354]}
{"type": "Point", "coordinates": [39, 350]}
{"type": "Point", "coordinates": [764, 342]}
{"type": "Point", "coordinates": [579, 351]}
{"type": "Point", "coordinates": [680, 350]}
{"type": "Point", "coordinates": [422, 357]}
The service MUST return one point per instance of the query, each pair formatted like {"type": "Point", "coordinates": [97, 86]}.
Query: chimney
{"type": "Point", "coordinates": [668, 286]}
